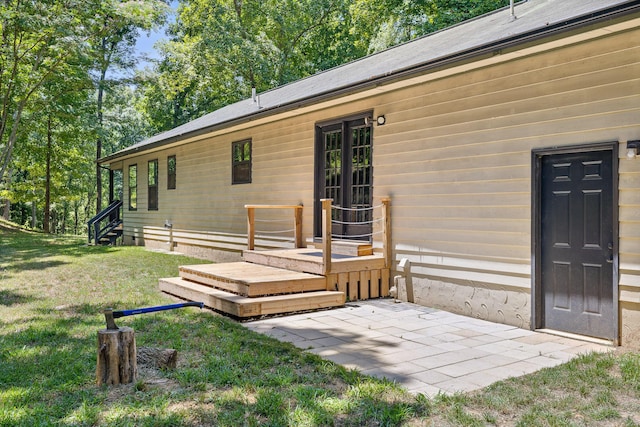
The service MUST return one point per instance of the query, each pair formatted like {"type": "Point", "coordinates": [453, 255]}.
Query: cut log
{"type": "Point", "coordinates": [161, 358]}
{"type": "Point", "coordinates": [116, 356]}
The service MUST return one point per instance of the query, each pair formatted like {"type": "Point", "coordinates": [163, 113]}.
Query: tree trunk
{"type": "Point", "coordinates": [76, 218]}
{"type": "Point", "coordinates": [46, 227]}
{"type": "Point", "coordinates": [6, 215]}
{"type": "Point", "coordinates": [116, 356]}
{"type": "Point", "coordinates": [34, 215]}
{"type": "Point", "coordinates": [161, 358]}
{"type": "Point", "coordinates": [99, 154]}
{"type": "Point", "coordinates": [101, 83]}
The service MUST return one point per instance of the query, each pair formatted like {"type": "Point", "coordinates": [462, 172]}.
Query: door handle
{"type": "Point", "coordinates": [610, 258]}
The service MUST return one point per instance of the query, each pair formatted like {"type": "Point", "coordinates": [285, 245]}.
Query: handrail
{"type": "Point", "coordinates": [113, 208]}
{"type": "Point", "coordinates": [251, 223]}
{"type": "Point", "coordinates": [106, 211]}
{"type": "Point", "coordinates": [385, 221]}
{"type": "Point", "coordinates": [327, 235]}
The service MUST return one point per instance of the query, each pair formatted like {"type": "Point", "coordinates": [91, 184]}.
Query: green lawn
{"type": "Point", "coordinates": [53, 291]}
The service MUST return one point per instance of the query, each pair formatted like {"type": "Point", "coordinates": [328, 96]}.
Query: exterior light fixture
{"type": "Point", "coordinates": [632, 149]}
{"type": "Point", "coordinates": [381, 120]}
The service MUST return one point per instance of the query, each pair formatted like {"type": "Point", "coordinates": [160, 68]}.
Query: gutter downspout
{"type": "Point", "coordinates": [513, 11]}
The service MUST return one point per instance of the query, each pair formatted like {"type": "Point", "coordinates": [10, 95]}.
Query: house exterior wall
{"type": "Point", "coordinates": [462, 198]}
{"type": "Point", "coordinates": [455, 158]}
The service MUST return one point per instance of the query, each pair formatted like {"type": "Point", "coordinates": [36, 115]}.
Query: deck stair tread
{"type": "Point", "coordinates": [346, 247]}
{"type": "Point", "coordinates": [241, 306]}
{"type": "Point", "coordinates": [353, 248]}
{"type": "Point", "coordinates": [310, 260]}
{"type": "Point", "coordinates": [252, 280]}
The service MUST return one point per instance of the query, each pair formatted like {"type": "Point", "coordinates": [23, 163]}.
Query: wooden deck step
{"type": "Point", "coordinates": [252, 280]}
{"type": "Point", "coordinates": [309, 260]}
{"type": "Point", "coordinates": [351, 248]}
{"type": "Point", "coordinates": [240, 306]}
{"type": "Point", "coordinates": [345, 247]}
{"type": "Point", "coordinates": [301, 260]}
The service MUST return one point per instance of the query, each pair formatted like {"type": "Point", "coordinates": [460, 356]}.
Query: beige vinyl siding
{"type": "Point", "coordinates": [455, 154]}
{"type": "Point", "coordinates": [205, 199]}
{"type": "Point", "coordinates": [629, 200]}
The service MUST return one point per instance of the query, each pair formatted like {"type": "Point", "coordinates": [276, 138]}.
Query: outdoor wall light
{"type": "Point", "coordinates": [381, 120]}
{"type": "Point", "coordinates": [632, 149]}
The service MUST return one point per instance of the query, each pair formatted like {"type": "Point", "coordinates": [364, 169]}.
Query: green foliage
{"type": "Point", "coordinates": [67, 94]}
{"type": "Point", "coordinates": [54, 56]}
{"type": "Point", "coordinates": [630, 370]}
{"type": "Point", "coordinates": [219, 50]}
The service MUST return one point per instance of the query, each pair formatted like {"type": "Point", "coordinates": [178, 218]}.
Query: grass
{"type": "Point", "coordinates": [53, 290]}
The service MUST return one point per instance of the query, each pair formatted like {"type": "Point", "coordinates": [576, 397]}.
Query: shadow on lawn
{"type": "Point", "coordinates": [9, 298]}
{"type": "Point", "coordinates": [33, 250]}
{"type": "Point", "coordinates": [49, 369]}
{"type": "Point", "coordinates": [40, 254]}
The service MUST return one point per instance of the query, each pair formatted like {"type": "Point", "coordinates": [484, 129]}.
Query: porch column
{"type": "Point", "coordinates": [326, 235]}
{"type": "Point", "coordinates": [111, 187]}
{"type": "Point", "coordinates": [386, 232]}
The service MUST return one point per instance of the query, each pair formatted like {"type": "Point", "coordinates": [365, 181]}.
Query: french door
{"type": "Point", "coordinates": [344, 173]}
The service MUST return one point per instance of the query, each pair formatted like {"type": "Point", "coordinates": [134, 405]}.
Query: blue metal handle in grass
{"type": "Point", "coordinates": [122, 313]}
{"type": "Point", "coordinates": [109, 314]}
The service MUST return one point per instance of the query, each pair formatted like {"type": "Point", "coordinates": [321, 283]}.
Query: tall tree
{"type": "Point", "coordinates": [51, 159]}
{"type": "Point", "coordinates": [220, 49]}
{"type": "Point", "coordinates": [119, 24]}
{"type": "Point", "coordinates": [387, 23]}
{"type": "Point", "coordinates": [36, 39]}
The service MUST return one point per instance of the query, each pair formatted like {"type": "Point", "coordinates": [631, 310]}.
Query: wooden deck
{"type": "Point", "coordinates": [289, 280]}
{"type": "Point", "coordinates": [280, 281]}
{"type": "Point", "coordinates": [252, 280]}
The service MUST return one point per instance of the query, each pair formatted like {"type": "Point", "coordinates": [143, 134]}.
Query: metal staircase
{"type": "Point", "coordinates": [106, 226]}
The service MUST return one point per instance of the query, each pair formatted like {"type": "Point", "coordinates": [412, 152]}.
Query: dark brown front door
{"type": "Point", "coordinates": [577, 243]}
{"type": "Point", "coordinates": [344, 174]}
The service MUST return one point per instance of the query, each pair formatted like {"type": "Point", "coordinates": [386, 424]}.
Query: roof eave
{"type": "Point", "coordinates": [612, 13]}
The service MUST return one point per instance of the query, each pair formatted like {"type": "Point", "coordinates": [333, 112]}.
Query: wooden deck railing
{"type": "Point", "coordinates": [251, 223]}
{"type": "Point", "coordinates": [385, 221]}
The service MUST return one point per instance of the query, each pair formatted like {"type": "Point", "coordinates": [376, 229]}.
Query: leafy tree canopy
{"type": "Point", "coordinates": [67, 91]}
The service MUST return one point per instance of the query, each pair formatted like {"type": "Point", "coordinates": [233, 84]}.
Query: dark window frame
{"type": "Point", "coordinates": [241, 162]}
{"type": "Point", "coordinates": [171, 173]}
{"type": "Point", "coordinates": [152, 187]}
{"type": "Point", "coordinates": [133, 206]}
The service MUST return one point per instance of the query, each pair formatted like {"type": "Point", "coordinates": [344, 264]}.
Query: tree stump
{"type": "Point", "coordinates": [116, 356]}
{"type": "Point", "coordinates": [161, 358]}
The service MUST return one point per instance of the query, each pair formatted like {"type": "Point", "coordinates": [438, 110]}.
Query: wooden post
{"type": "Point", "coordinates": [326, 236]}
{"type": "Point", "coordinates": [251, 225]}
{"type": "Point", "coordinates": [386, 231]}
{"type": "Point", "coordinates": [297, 213]}
{"type": "Point", "coordinates": [116, 356]}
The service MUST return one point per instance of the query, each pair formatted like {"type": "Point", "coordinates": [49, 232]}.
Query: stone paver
{"type": "Point", "coordinates": [428, 351]}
